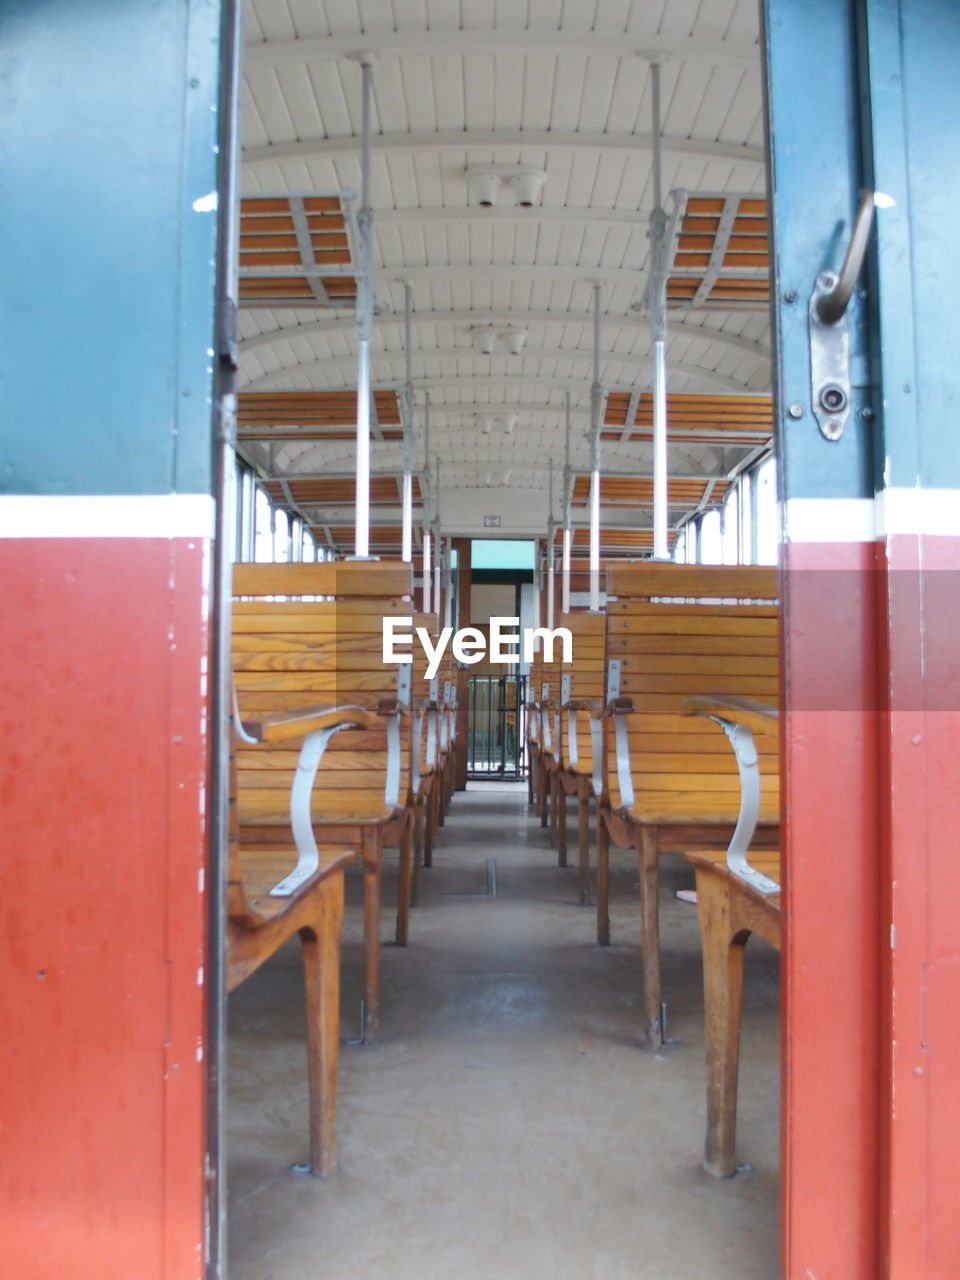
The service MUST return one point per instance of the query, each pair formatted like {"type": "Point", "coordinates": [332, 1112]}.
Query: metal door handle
{"type": "Point", "coordinates": [832, 306]}
{"type": "Point", "coordinates": [830, 391]}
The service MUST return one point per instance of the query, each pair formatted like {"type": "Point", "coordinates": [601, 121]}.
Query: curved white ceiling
{"type": "Point", "coordinates": [560, 84]}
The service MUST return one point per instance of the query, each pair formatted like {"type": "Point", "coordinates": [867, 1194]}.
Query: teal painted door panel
{"type": "Point", "coordinates": [108, 131]}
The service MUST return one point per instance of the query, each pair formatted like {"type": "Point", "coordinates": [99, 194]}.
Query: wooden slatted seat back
{"type": "Point", "coordinates": [679, 631]}
{"type": "Point", "coordinates": [586, 682]}
{"type": "Point", "coordinates": [307, 634]}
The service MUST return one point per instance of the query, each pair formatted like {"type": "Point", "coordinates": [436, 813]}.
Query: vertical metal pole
{"type": "Point", "coordinates": [406, 553]}
{"type": "Point", "coordinates": [537, 578]}
{"type": "Point", "coordinates": [596, 403]}
{"type": "Point", "coordinates": [567, 497]}
{"type": "Point", "coordinates": [437, 542]}
{"type": "Point", "coordinates": [427, 573]}
{"type": "Point", "coordinates": [361, 546]}
{"type": "Point", "coordinates": [551, 529]}
{"type": "Point", "coordinates": [427, 501]}
{"type": "Point", "coordinates": [448, 581]}
{"type": "Point", "coordinates": [658, 331]}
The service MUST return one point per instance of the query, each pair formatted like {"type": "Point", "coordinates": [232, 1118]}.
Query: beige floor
{"type": "Point", "coordinates": [509, 1126]}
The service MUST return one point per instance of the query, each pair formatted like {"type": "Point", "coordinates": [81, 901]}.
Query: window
{"type": "Point", "coordinates": [488, 553]}
{"type": "Point", "coordinates": [767, 513]}
{"type": "Point", "coordinates": [711, 538]}
{"type": "Point", "coordinates": [730, 527]}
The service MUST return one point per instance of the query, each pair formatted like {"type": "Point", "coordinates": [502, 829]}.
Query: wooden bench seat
{"type": "Point", "coordinates": [668, 781]}
{"type": "Point", "coordinates": [733, 902]}
{"type": "Point", "coordinates": [580, 681]}
{"type": "Point", "coordinates": [430, 752]}
{"type": "Point", "coordinates": [260, 921]}
{"type": "Point", "coordinates": [312, 632]}
{"type": "Point", "coordinates": [567, 762]}
{"type": "Point", "coordinates": [536, 775]}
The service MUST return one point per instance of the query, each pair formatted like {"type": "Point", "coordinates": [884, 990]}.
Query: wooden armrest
{"type": "Point", "coordinates": [593, 706]}
{"type": "Point", "coordinates": [758, 716]}
{"type": "Point", "coordinates": [618, 706]}
{"type": "Point", "coordinates": [392, 707]}
{"type": "Point", "coordinates": [280, 725]}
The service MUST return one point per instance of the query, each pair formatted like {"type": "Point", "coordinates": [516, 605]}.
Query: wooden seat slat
{"type": "Point", "coordinates": [694, 645]}
{"type": "Point", "coordinates": [680, 665]}
{"type": "Point", "coordinates": [678, 625]}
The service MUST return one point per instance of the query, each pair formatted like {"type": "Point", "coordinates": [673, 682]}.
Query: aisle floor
{"type": "Point", "coordinates": [509, 1125]}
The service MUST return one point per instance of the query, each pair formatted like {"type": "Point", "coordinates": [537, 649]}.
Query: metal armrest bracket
{"type": "Point", "coordinates": [308, 858]}
{"type": "Point", "coordinates": [391, 789]}
{"type": "Point", "coordinates": [624, 777]}
{"type": "Point", "coordinates": [596, 746]}
{"type": "Point", "coordinates": [745, 750]}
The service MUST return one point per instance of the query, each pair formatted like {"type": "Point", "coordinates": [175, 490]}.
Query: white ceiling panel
{"type": "Point", "coordinates": [557, 84]}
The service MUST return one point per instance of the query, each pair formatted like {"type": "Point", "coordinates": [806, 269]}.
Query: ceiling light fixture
{"type": "Point", "coordinates": [484, 185]}
{"type": "Point", "coordinates": [526, 181]}
{"type": "Point", "coordinates": [527, 186]}
{"type": "Point", "coordinates": [510, 340]}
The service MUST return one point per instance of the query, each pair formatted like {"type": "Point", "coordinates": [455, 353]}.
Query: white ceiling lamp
{"type": "Point", "coordinates": [488, 338]}
{"type": "Point", "coordinates": [526, 181]}
{"type": "Point", "coordinates": [504, 422]}
{"type": "Point", "coordinates": [527, 185]}
{"type": "Point", "coordinates": [484, 185]}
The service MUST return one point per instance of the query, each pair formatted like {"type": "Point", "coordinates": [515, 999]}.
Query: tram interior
{"type": "Point", "coordinates": [567, 228]}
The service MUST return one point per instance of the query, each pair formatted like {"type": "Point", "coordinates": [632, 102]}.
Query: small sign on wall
{"type": "Point", "coordinates": [491, 522]}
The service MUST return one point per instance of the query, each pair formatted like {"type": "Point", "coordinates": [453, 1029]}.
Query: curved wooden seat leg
{"type": "Point", "coordinates": [428, 827]}
{"type": "Point", "coordinates": [583, 839]}
{"type": "Point", "coordinates": [321, 966]}
{"type": "Point", "coordinates": [723, 950]}
{"type": "Point", "coordinates": [443, 791]}
{"type": "Point", "coordinates": [543, 791]}
{"type": "Point", "coordinates": [559, 797]}
{"type": "Point", "coordinates": [419, 829]}
{"type": "Point", "coordinates": [550, 802]}
{"type": "Point", "coordinates": [530, 767]}
{"type": "Point", "coordinates": [372, 856]}
{"type": "Point", "coordinates": [648, 854]}
{"type": "Point", "coordinates": [438, 810]}
{"type": "Point", "coordinates": [404, 881]}
{"type": "Point", "coordinates": [603, 881]}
